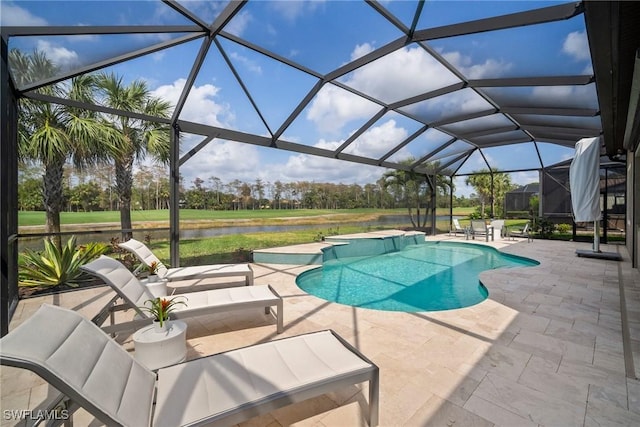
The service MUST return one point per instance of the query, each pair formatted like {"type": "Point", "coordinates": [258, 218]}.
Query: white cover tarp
{"type": "Point", "coordinates": [584, 180]}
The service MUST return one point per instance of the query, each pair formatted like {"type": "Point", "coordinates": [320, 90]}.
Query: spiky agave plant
{"type": "Point", "coordinates": [55, 266]}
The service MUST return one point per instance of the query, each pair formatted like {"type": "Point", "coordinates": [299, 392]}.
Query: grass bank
{"type": "Point", "coordinates": [30, 218]}
{"type": "Point", "coordinates": [238, 247]}
{"type": "Point", "coordinates": [221, 218]}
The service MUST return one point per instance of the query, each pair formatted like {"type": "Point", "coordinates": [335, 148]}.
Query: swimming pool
{"type": "Point", "coordinates": [425, 277]}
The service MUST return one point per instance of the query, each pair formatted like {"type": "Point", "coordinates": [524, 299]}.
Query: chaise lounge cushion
{"type": "Point", "coordinates": [279, 369]}
{"type": "Point", "coordinates": [144, 254]}
{"type": "Point", "coordinates": [116, 275]}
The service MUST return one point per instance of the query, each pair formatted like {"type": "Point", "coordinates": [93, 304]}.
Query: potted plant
{"type": "Point", "coordinates": [153, 272]}
{"type": "Point", "coordinates": [160, 308]}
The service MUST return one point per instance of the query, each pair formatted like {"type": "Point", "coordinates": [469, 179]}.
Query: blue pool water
{"type": "Point", "coordinates": [425, 277]}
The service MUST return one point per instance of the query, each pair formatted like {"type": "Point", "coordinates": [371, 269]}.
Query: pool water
{"type": "Point", "coordinates": [426, 277]}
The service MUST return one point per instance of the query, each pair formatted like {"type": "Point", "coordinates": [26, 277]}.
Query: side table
{"type": "Point", "coordinates": [158, 349]}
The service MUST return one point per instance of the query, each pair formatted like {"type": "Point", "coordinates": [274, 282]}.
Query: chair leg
{"type": "Point", "coordinates": [374, 393]}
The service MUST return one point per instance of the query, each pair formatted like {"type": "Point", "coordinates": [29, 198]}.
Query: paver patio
{"type": "Point", "coordinates": [546, 347]}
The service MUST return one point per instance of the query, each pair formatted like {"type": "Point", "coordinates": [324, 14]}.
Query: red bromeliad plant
{"type": "Point", "coordinates": [161, 307]}
{"type": "Point", "coordinates": [153, 267]}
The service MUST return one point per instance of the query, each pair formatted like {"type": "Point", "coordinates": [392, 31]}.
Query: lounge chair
{"type": "Point", "coordinates": [95, 373]}
{"type": "Point", "coordinates": [181, 274]}
{"type": "Point", "coordinates": [457, 228]}
{"type": "Point", "coordinates": [520, 232]}
{"type": "Point", "coordinates": [480, 228]}
{"type": "Point", "coordinates": [134, 293]}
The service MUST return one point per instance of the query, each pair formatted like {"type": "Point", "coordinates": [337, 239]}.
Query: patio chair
{"type": "Point", "coordinates": [480, 228]}
{"type": "Point", "coordinates": [134, 293]}
{"type": "Point", "coordinates": [95, 373]}
{"type": "Point", "coordinates": [520, 232]}
{"type": "Point", "coordinates": [180, 278]}
{"type": "Point", "coordinates": [457, 228]}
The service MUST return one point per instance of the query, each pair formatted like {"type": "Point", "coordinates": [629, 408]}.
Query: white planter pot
{"type": "Point", "coordinates": [152, 278]}
{"type": "Point", "coordinates": [161, 329]}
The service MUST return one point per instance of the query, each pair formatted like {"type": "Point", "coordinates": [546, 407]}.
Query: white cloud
{"type": "Point", "coordinates": [566, 95]}
{"type": "Point", "coordinates": [292, 9]}
{"type": "Point", "coordinates": [333, 107]}
{"type": "Point", "coordinates": [60, 56]}
{"type": "Point", "coordinates": [407, 72]}
{"type": "Point", "coordinates": [490, 68]}
{"type": "Point", "coordinates": [361, 50]}
{"type": "Point", "coordinates": [576, 45]}
{"type": "Point", "coordinates": [378, 141]}
{"type": "Point", "coordinates": [303, 167]}
{"type": "Point", "coordinates": [248, 63]}
{"type": "Point", "coordinates": [13, 15]}
{"type": "Point", "coordinates": [239, 23]}
{"type": "Point", "coordinates": [200, 106]}
{"type": "Point", "coordinates": [524, 178]}
{"type": "Point", "coordinates": [453, 104]}
{"type": "Point", "coordinates": [224, 159]}
{"type": "Point", "coordinates": [232, 160]}
{"type": "Point", "coordinates": [158, 56]}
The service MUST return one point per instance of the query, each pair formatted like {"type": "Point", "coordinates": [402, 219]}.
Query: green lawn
{"type": "Point", "coordinates": [28, 218]}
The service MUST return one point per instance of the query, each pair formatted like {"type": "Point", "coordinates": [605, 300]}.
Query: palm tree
{"type": "Point", "coordinates": [481, 182]}
{"type": "Point", "coordinates": [413, 188]}
{"type": "Point", "coordinates": [53, 134]}
{"type": "Point", "coordinates": [137, 138]}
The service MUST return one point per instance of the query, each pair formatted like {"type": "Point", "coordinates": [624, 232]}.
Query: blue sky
{"type": "Point", "coordinates": [323, 35]}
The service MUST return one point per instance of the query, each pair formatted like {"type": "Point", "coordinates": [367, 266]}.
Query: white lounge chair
{"type": "Point", "coordinates": [97, 374]}
{"type": "Point", "coordinates": [182, 274]}
{"type": "Point", "coordinates": [457, 228]}
{"type": "Point", "coordinates": [480, 228]}
{"type": "Point", "coordinates": [134, 293]}
{"type": "Point", "coordinates": [520, 232]}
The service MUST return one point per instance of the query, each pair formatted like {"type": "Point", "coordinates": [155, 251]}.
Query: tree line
{"type": "Point", "coordinates": [95, 190]}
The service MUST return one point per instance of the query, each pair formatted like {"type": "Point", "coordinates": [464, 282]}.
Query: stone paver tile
{"type": "Point", "coordinates": [14, 403]}
{"type": "Point", "coordinates": [301, 412]}
{"type": "Point", "coordinates": [439, 412]}
{"type": "Point", "coordinates": [633, 390]}
{"type": "Point", "coordinates": [529, 322]}
{"type": "Point", "coordinates": [541, 375]}
{"type": "Point", "coordinates": [602, 414]}
{"type": "Point", "coordinates": [568, 311]}
{"type": "Point", "coordinates": [505, 361]}
{"type": "Point", "coordinates": [538, 298]}
{"type": "Point", "coordinates": [528, 403]}
{"type": "Point", "coordinates": [397, 407]}
{"type": "Point", "coordinates": [448, 384]}
{"type": "Point", "coordinates": [495, 414]}
{"type": "Point", "coordinates": [551, 348]}
{"type": "Point", "coordinates": [564, 330]}
{"type": "Point", "coordinates": [354, 413]}
{"type": "Point", "coordinates": [610, 395]}
{"type": "Point", "coordinates": [609, 354]}
{"type": "Point", "coordinates": [593, 375]}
